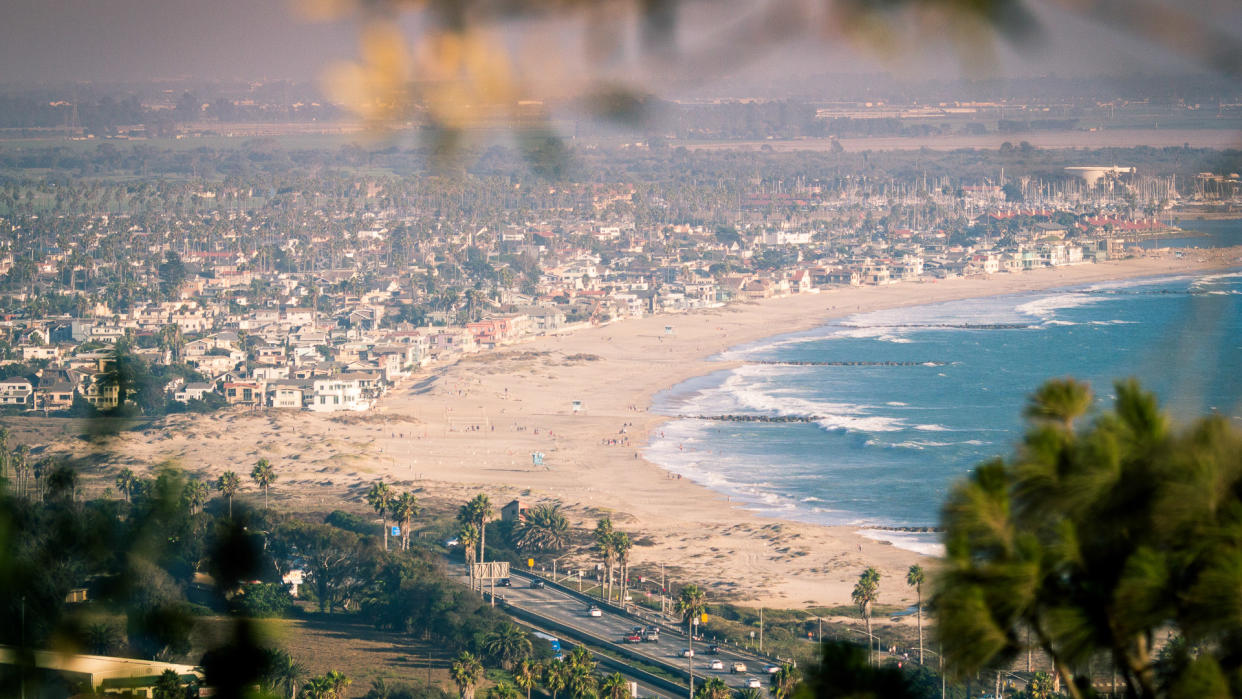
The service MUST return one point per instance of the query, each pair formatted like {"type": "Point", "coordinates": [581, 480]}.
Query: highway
{"type": "Point", "coordinates": [611, 628]}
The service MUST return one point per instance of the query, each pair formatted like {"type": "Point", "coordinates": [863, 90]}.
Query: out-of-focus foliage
{"type": "Point", "coordinates": [133, 577]}
{"type": "Point", "coordinates": [1091, 543]}
{"type": "Point", "coordinates": [459, 67]}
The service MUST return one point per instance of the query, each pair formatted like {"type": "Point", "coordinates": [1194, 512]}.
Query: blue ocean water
{"type": "Point", "coordinates": [944, 390]}
{"type": "Point", "coordinates": [1201, 234]}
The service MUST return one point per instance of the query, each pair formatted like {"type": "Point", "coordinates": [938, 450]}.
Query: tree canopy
{"type": "Point", "coordinates": [1090, 542]}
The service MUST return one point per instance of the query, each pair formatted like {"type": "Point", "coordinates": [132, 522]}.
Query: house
{"type": "Point", "coordinates": [97, 393]}
{"type": "Point", "coordinates": [288, 393]}
{"type": "Point", "coordinates": [270, 354]}
{"type": "Point", "coordinates": [54, 395]}
{"type": "Point", "coordinates": [243, 393]}
{"type": "Point", "coordinates": [100, 674]}
{"type": "Point", "coordinates": [16, 392]}
{"type": "Point", "coordinates": [47, 352]}
{"type": "Point", "coordinates": [845, 277]}
{"type": "Point", "coordinates": [341, 392]}
{"type": "Point", "coordinates": [193, 391]}
{"type": "Point", "coordinates": [515, 511]}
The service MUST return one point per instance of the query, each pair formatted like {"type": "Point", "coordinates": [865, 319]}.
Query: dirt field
{"type": "Point", "coordinates": [321, 643]}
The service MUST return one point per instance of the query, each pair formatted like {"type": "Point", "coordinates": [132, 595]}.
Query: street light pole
{"type": "Point", "coordinates": [761, 629]}
{"type": "Point", "coordinates": [690, 653]}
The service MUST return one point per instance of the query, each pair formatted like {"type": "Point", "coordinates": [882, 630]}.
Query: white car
{"type": "Point", "coordinates": [595, 611]}
{"type": "Point", "coordinates": [754, 683]}
{"type": "Point", "coordinates": [771, 669]}
{"type": "Point", "coordinates": [687, 653]}
{"type": "Point", "coordinates": [716, 665]}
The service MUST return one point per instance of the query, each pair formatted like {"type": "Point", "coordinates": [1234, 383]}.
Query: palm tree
{"type": "Point", "coordinates": [555, 676]}
{"type": "Point", "coordinates": [4, 453]}
{"type": "Point", "coordinates": [691, 605]}
{"type": "Point", "coordinates": [263, 475]}
{"type": "Point", "coordinates": [21, 465]}
{"type": "Point", "coordinates": [228, 484]}
{"type": "Point", "coordinates": [468, 537]}
{"type": "Point", "coordinates": [915, 578]}
{"type": "Point", "coordinates": [405, 509]}
{"type": "Point", "coordinates": [282, 671]}
{"type": "Point", "coordinates": [507, 645]}
{"type": "Point", "coordinates": [466, 672]}
{"type": "Point", "coordinates": [329, 686]}
{"type": "Point", "coordinates": [606, 547]}
{"type": "Point", "coordinates": [714, 688]}
{"type": "Point", "coordinates": [1061, 540]}
{"type": "Point", "coordinates": [526, 675]}
{"type": "Point", "coordinates": [125, 483]}
{"type": "Point", "coordinates": [1061, 401]}
{"type": "Point", "coordinates": [582, 682]}
{"type": "Point", "coordinates": [503, 690]}
{"type": "Point", "coordinates": [478, 512]}
{"type": "Point", "coordinates": [749, 693]}
{"type": "Point", "coordinates": [622, 545]}
{"type": "Point", "coordinates": [543, 528]}
{"type": "Point", "coordinates": [379, 497]}
{"type": "Point", "coordinates": [581, 658]}
{"type": "Point", "coordinates": [864, 595]}
{"type": "Point", "coordinates": [785, 681]}
{"type": "Point", "coordinates": [194, 494]}
{"type": "Point", "coordinates": [615, 686]}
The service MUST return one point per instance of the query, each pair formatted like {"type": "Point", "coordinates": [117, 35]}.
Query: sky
{"type": "Point", "coordinates": [140, 40]}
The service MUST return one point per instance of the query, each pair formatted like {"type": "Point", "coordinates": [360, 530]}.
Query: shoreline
{"type": "Point", "coordinates": [519, 400]}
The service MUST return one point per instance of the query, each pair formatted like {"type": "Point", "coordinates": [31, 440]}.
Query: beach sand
{"type": "Point", "coordinates": [520, 397]}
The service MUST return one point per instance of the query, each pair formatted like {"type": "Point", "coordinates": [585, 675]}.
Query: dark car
{"type": "Point", "coordinates": [538, 584]}
{"type": "Point", "coordinates": [713, 649]}
{"type": "Point", "coordinates": [504, 582]}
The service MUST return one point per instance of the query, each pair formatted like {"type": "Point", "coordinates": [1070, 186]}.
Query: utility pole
{"type": "Point", "coordinates": [761, 629]}
{"type": "Point", "coordinates": [690, 655]}
{"type": "Point", "coordinates": [663, 592]}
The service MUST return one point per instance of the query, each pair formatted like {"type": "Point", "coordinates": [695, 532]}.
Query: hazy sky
{"type": "Point", "coordinates": [128, 40]}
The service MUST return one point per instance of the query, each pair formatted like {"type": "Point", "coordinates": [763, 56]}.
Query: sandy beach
{"type": "Point", "coordinates": [472, 427]}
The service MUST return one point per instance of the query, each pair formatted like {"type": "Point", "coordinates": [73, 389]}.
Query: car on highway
{"type": "Point", "coordinates": [687, 653]}
{"type": "Point", "coordinates": [504, 582]}
{"type": "Point", "coordinates": [594, 611]}
{"type": "Point", "coordinates": [753, 683]}
{"type": "Point", "coordinates": [538, 584]}
{"type": "Point", "coordinates": [771, 669]}
{"type": "Point", "coordinates": [716, 664]}
{"type": "Point", "coordinates": [737, 667]}
{"type": "Point", "coordinates": [651, 634]}
{"type": "Point", "coordinates": [634, 638]}
{"type": "Point", "coordinates": [450, 543]}
{"type": "Point", "coordinates": [713, 649]}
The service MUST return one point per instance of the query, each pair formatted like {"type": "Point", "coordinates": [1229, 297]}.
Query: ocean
{"type": "Point", "coordinates": [887, 409]}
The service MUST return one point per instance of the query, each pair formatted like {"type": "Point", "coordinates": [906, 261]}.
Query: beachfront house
{"type": "Point", "coordinates": [288, 393]}
{"type": "Point", "coordinates": [192, 391]}
{"type": "Point", "coordinates": [341, 392]}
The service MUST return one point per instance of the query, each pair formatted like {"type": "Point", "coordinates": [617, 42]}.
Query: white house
{"type": "Point", "coordinates": [16, 391]}
{"type": "Point", "coordinates": [342, 392]}
{"type": "Point", "coordinates": [192, 391]}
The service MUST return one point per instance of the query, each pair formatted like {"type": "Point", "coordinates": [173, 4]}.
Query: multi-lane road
{"type": "Point", "coordinates": [613, 626]}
